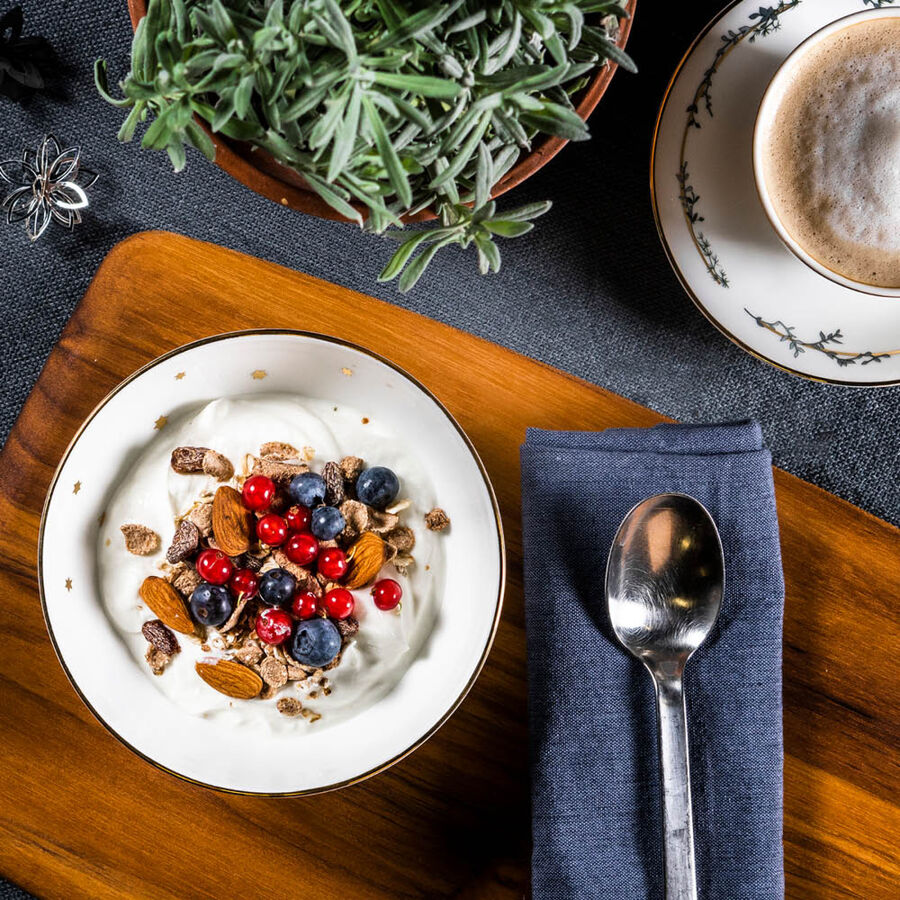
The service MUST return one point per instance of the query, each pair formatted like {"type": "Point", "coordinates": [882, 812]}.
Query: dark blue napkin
{"type": "Point", "coordinates": [596, 814]}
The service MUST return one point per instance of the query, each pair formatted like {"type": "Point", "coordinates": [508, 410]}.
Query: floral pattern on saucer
{"type": "Point", "coordinates": [713, 228]}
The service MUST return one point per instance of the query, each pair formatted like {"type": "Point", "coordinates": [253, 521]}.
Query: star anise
{"type": "Point", "coordinates": [49, 184]}
{"type": "Point", "coordinates": [25, 62]}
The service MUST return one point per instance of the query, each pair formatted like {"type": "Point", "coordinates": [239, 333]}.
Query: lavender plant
{"type": "Point", "coordinates": [384, 107]}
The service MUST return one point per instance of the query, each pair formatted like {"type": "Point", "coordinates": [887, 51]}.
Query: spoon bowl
{"type": "Point", "coordinates": [664, 582]}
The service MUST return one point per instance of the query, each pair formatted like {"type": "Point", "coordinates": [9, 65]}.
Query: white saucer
{"type": "Point", "coordinates": [713, 228]}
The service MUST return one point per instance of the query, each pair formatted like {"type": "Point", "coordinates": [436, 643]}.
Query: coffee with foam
{"type": "Point", "coordinates": [832, 152]}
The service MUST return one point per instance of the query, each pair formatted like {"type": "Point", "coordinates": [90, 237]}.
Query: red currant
{"type": "Point", "coordinates": [301, 548]}
{"type": "Point", "coordinates": [274, 625]}
{"type": "Point", "coordinates": [339, 603]}
{"type": "Point", "coordinates": [333, 563]}
{"type": "Point", "coordinates": [258, 493]}
{"type": "Point", "coordinates": [272, 530]}
{"type": "Point", "coordinates": [297, 518]}
{"type": "Point", "coordinates": [244, 583]}
{"type": "Point", "coordinates": [214, 566]}
{"type": "Point", "coordinates": [386, 593]}
{"type": "Point", "coordinates": [305, 605]}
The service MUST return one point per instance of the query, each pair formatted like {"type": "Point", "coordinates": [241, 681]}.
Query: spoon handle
{"type": "Point", "coordinates": [681, 881]}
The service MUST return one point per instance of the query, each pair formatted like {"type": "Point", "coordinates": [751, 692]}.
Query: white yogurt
{"type": "Point", "coordinates": [152, 494]}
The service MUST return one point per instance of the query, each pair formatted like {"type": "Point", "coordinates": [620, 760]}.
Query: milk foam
{"type": "Point", "coordinates": [833, 167]}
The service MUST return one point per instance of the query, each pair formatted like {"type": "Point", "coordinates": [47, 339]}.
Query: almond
{"type": "Point", "coordinates": [230, 522]}
{"type": "Point", "coordinates": [230, 678]}
{"type": "Point", "coordinates": [167, 603]}
{"type": "Point", "coordinates": [365, 557]}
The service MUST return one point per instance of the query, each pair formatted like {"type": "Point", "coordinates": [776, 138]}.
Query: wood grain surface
{"type": "Point", "coordinates": [83, 817]}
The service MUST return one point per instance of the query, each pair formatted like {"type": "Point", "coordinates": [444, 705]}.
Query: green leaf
{"type": "Point", "coordinates": [465, 153]}
{"type": "Point", "coordinates": [103, 86]}
{"type": "Point", "coordinates": [417, 267]}
{"type": "Point", "coordinates": [388, 155]}
{"type": "Point", "coordinates": [233, 128]}
{"type": "Point", "coordinates": [476, 18]}
{"type": "Point", "coordinates": [424, 85]}
{"type": "Point", "coordinates": [488, 254]}
{"type": "Point", "coordinates": [576, 24]}
{"type": "Point", "coordinates": [345, 136]}
{"type": "Point", "coordinates": [222, 20]}
{"type": "Point", "coordinates": [557, 49]}
{"type": "Point", "coordinates": [200, 139]}
{"type": "Point", "coordinates": [175, 149]}
{"type": "Point", "coordinates": [599, 40]}
{"type": "Point", "coordinates": [416, 24]}
{"type": "Point", "coordinates": [242, 95]}
{"type": "Point", "coordinates": [336, 27]}
{"type": "Point", "coordinates": [558, 120]}
{"type": "Point", "coordinates": [484, 175]}
{"type": "Point", "coordinates": [224, 111]}
{"type": "Point", "coordinates": [325, 128]}
{"type": "Point", "coordinates": [504, 160]}
{"type": "Point", "coordinates": [143, 57]}
{"type": "Point", "coordinates": [402, 255]}
{"type": "Point", "coordinates": [526, 212]}
{"type": "Point", "coordinates": [159, 134]}
{"type": "Point", "coordinates": [507, 227]}
{"type": "Point", "coordinates": [126, 132]}
{"type": "Point", "coordinates": [333, 198]}
{"type": "Point", "coordinates": [182, 22]}
{"type": "Point", "coordinates": [502, 49]}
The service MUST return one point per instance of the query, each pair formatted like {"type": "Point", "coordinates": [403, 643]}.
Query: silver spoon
{"type": "Point", "coordinates": [664, 582]}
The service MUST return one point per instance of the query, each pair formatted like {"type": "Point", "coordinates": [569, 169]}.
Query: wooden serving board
{"type": "Point", "coordinates": [83, 817]}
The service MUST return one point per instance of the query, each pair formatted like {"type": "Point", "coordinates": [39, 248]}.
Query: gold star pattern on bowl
{"type": "Point", "coordinates": [258, 374]}
{"type": "Point", "coordinates": [180, 375]}
{"type": "Point", "coordinates": [68, 584]}
{"type": "Point", "coordinates": [76, 487]}
{"type": "Point", "coordinates": [160, 423]}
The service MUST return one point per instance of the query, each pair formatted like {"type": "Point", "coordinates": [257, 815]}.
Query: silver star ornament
{"type": "Point", "coordinates": [47, 185]}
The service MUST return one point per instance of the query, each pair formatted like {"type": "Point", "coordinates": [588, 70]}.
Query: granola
{"type": "Point", "coordinates": [436, 520]}
{"type": "Point", "coordinates": [275, 612]}
{"type": "Point", "coordinates": [140, 540]}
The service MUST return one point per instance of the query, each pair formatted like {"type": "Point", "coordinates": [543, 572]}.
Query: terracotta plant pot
{"type": "Point", "coordinates": [261, 172]}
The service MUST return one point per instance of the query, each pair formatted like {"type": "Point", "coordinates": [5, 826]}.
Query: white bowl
{"type": "Point", "coordinates": [118, 690]}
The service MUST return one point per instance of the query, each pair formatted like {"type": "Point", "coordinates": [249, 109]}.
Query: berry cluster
{"type": "Point", "coordinates": [290, 614]}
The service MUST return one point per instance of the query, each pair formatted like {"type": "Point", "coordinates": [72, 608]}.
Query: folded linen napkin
{"type": "Point", "coordinates": [596, 804]}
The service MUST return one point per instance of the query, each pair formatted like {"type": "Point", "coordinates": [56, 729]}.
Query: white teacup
{"type": "Point", "coordinates": [769, 106]}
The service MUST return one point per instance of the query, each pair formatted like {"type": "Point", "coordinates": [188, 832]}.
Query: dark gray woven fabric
{"type": "Point", "coordinates": [595, 785]}
{"type": "Point", "coordinates": [589, 291]}
{"type": "Point", "coordinates": [11, 892]}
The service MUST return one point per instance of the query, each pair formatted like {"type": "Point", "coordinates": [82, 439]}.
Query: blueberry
{"type": "Point", "coordinates": [277, 587]}
{"type": "Point", "coordinates": [327, 523]}
{"type": "Point", "coordinates": [377, 486]}
{"type": "Point", "coordinates": [308, 489]}
{"type": "Point", "coordinates": [211, 604]}
{"type": "Point", "coordinates": [315, 642]}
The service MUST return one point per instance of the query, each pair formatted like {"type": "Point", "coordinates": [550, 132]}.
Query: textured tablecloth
{"type": "Point", "coordinates": [589, 290]}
